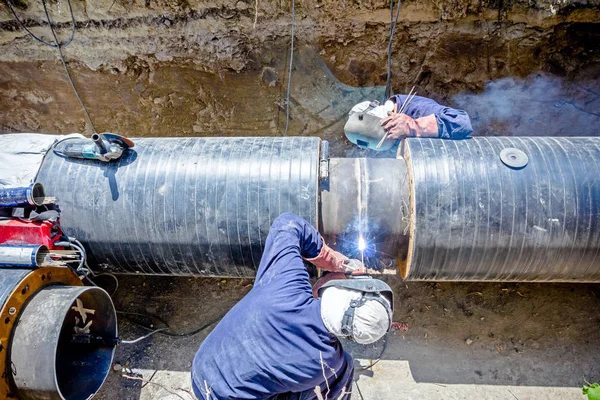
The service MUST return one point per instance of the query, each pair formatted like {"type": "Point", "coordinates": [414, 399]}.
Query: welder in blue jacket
{"type": "Point", "coordinates": [425, 117]}
{"type": "Point", "coordinates": [370, 122]}
{"type": "Point", "coordinates": [281, 340]}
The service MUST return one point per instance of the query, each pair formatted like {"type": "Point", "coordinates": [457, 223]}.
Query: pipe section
{"type": "Point", "coordinates": [184, 206]}
{"type": "Point", "coordinates": [19, 256]}
{"type": "Point", "coordinates": [32, 195]}
{"type": "Point", "coordinates": [475, 216]}
{"type": "Point", "coordinates": [48, 363]}
{"type": "Point", "coordinates": [366, 197]}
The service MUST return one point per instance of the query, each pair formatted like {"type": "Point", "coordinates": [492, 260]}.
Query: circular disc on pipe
{"type": "Point", "coordinates": [514, 158]}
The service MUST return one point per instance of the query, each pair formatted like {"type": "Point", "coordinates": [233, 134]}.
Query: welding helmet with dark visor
{"type": "Point", "coordinates": [371, 289]}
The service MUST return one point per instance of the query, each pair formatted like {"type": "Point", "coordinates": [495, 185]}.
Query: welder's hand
{"type": "Point", "coordinates": [329, 260]}
{"type": "Point", "coordinates": [399, 126]}
{"type": "Point", "coordinates": [353, 266]}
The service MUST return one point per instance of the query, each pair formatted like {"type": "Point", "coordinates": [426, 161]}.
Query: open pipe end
{"type": "Point", "coordinates": [63, 344]}
{"type": "Point", "coordinates": [38, 194]}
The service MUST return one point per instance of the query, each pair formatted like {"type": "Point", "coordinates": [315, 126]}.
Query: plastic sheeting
{"type": "Point", "coordinates": [21, 155]}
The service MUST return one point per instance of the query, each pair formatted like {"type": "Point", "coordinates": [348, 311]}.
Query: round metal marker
{"type": "Point", "coordinates": [514, 158]}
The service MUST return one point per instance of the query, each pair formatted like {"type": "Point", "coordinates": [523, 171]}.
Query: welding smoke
{"type": "Point", "coordinates": [539, 105]}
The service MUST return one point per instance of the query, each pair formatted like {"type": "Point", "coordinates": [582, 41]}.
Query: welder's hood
{"type": "Point", "coordinates": [363, 127]}
{"type": "Point", "coordinates": [370, 321]}
{"type": "Point", "coordinates": [21, 155]}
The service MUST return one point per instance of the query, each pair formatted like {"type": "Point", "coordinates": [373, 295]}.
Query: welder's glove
{"type": "Point", "coordinates": [401, 125]}
{"type": "Point", "coordinates": [334, 261]}
{"type": "Point", "coordinates": [353, 266]}
{"type": "Point", "coordinates": [329, 260]}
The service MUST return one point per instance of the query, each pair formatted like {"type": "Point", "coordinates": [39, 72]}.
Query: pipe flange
{"type": "Point", "coordinates": [514, 158]}
{"type": "Point", "coordinates": [14, 304]}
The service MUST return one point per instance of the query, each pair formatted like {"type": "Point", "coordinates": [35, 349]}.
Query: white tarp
{"type": "Point", "coordinates": [21, 155]}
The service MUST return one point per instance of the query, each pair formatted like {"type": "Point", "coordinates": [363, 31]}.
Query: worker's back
{"type": "Point", "coordinates": [273, 341]}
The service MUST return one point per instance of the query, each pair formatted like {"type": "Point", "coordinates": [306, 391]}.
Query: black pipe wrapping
{"type": "Point", "coordinates": [475, 218]}
{"type": "Point", "coordinates": [184, 206]}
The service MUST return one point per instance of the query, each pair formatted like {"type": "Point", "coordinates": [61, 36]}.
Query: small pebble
{"type": "Point", "coordinates": [469, 341]}
{"type": "Point", "coordinates": [117, 367]}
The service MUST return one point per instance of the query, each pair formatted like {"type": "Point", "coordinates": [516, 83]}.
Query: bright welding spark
{"type": "Point", "coordinates": [362, 245]}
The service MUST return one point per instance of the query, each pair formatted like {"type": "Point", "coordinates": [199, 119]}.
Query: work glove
{"type": "Point", "coordinates": [334, 261]}
{"type": "Point", "coordinates": [400, 126]}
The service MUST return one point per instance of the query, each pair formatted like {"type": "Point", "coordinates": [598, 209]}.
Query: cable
{"type": "Point", "coordinates": [165, 332]}
{"type": "Point", "coordinates": [58, 45]}
{"type": "Point", "coordinates": [393, 25]}
{"type": "Point", "coordinates": [143, 337]}
{"type": "Point", "coordinates": [9, 2]}
{"type": "Point", "coordinates": [385, 341]}
{"type": "Point", "coordinates": [62, 58]}
{"type": "Point", "coordinates": [289, 82]}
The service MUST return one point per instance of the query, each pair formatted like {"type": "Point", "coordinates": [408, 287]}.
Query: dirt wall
{"type": "Point", "coordinates": [184, 67]}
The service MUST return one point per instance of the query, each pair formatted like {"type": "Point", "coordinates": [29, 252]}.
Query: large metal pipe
{"type": "Point", "coordinates": [51, 357]}
{"type": "Point", "coordinates": [193, 206]}
{"type": "Point", "coordinates": [504, 208]}
{"type": "Point", "coordinates": [203, 206]}
{"type": "Point", "coordinates": [34, 333]}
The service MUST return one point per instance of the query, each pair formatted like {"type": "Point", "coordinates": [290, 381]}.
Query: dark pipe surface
{"type": "Point", "coordinates": [184, 206]}
{"type": "Point", "coordinates": [368, 197]}
{"type": "Point", "coordinates": [475, 218]}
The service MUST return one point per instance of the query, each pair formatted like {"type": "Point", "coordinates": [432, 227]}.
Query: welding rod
{"type": "Point", "coordinates": [407, 100]}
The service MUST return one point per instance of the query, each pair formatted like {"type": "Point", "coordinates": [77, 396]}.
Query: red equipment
{"type": "Point", "coordinates": [16, 231]}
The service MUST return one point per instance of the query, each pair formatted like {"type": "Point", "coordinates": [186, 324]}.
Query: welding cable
{"type": "Point", "coordinates": [74, 245]}
{"type": "Point", "coordinates": [143, 337]}
{"type": "Point", "coordinates": [128, 315]}
{"type": "Point", "coordinates": [95, 276]}
{"type": "Point", "coordinates": [62, 58]}
{"type": "Point", "coordinates": [68, 42]}
{"type": "Point", "coordinates": [289, 82]}
{"type": "Point", "coordinates": [385, 341]}
{"type": "Point", "coordinates": [58, 45]}
{"type": "Point", "coordinates": [393, 25]}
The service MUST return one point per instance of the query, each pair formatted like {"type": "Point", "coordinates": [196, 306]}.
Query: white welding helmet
{"type": "Point", "coordinates": [359, 309]}
{"type": "Point", "coordinates": [363, 127]}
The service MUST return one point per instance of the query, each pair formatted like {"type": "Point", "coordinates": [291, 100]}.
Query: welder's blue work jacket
{"type": "Point", "coordinates": [452, 123]}
{"type": "Point", "coordinates": [273, 344]}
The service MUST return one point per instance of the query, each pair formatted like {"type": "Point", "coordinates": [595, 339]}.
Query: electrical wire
{"type": "Point", "coordinates": [128, 315]}
{"type": "Point", "coordinates": [393, 25]}
{"type": "Point", "coordinates": [385, 342]}
{"type": "Point", "coordinates": [68, 42]}
{"type": "Point", "coordinates": [58, 45]}
{"type": "Point", "coordinates": [289, 81]}
{"type": "Point", "coordinates": [62, 58]}
{"type": "Point", "coordinates": [143, 337]}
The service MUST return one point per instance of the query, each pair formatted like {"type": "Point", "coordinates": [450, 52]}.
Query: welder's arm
{"type": "Point", "coordinates": [425, 117]}
{"type": "Point", "coordinates": [292, 239]}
